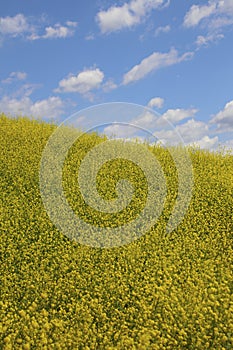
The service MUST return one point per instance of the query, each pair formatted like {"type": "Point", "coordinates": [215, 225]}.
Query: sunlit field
{"type": "Point", "coordinates": [161, 291]}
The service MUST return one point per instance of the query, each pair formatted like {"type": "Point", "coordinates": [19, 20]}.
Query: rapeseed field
{"type": "Point", "coordinates": [161, 291]}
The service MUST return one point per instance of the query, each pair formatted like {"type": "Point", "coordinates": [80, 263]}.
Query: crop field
{"type": "Point", "coordinates": [161, 291]}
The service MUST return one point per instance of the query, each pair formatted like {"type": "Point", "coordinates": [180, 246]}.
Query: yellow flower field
{"type": "Point", "coordinates": [162, 291]}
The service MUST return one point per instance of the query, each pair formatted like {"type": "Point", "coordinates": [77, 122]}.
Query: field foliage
{"type": "Point", "coordinates": [162, 291]}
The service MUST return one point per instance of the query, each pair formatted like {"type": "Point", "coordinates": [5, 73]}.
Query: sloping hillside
{"type": "Point", "coordinates": [162, 291]}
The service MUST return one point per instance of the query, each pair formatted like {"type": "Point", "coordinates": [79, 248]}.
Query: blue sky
{"type": "Point", "coordinates": [58, 57]}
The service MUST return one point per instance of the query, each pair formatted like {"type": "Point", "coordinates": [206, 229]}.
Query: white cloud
{"type": "Point", "coordinates": [146, 120]}
{"type": "Point", "coordinates": [27, 27]}
{"type": "Point", "coordinates": [15, 76]}
{"type": "Point", "coordinates": [90, 37]}
{"type": "Point", "coordinates": [48, 108]}
{"type": "Point", "coordinates": [217, 14]}
{"type": "Point", "coordinates": [162, 29]}
{"type": "Point", "coordinates": [173, 116]}
{"type": "Point", "coordinates": [217, 24]}
{"type": "Point", "coordinates": [15, 106]}
{"type": "Point", "coordinates": [14, 26]}
{"type": "Point", "coordinates": [127, 15]}
{"type": "Point", "coordinates": [154, 62]}
{"type": "Point", "coordinates": [153, 121]}
{"type": "Point", "coordinates": [176, 115]}
{"type": "Point", "coordinates": [156, 102]}
{"type": "Point", "coordinates": [109, 86]}
{"type": "Point", "coordinates": [228, 146]}
{"type": "Point", "coordinates": [116, 18]}
{"type": "Point", "coordinates": [207, 142]}
{"type": "Point", "coordinates": [225, 6]}
{"type": "Point", "coordinates": [33, 36]}
{"type": "Point", "coordinates": [56, 31]}
{"type": "Point", "coordinates": [212, 17]}
{"type": "Point", "coordinates": [189, 132]}
{"type": "Point", "coordinates": [192, 130]}
{"type": "Point", "coordinates": [197, 13]}
{"type": "Point", "coordinates": [25, 90]}
{"type": "Point", "coordinates": [51, 107]}
{"type": "Point", "coordinates": [134, 126]}
{"type": "Point", "coordinates": [224, 119]}
{"type": "Point", "coordinates": [71, 24]}
{"type": "Point", "coordinates": [120, 131]}
{"type": "Point", "coordinates": [206, 40]}
{"type": "Point", "coordinates": [83, 82]}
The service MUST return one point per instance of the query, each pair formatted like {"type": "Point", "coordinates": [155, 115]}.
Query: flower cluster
{"type": "Point", "coordinates": [162, 291]}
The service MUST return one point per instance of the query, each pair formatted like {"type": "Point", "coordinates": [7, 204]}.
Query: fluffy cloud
{"type": "Point", "coordinates": [127, 15]}
{"type": "Point", "coordinates": [192, 130]}
{"type": "Point", "coordinates": [14, 26]}
{"type": "Point", "coordinates": [197, 13]}
{"type": "Point", "coordinates": [154, 62]}
{"type": "Point", "coordinates": [156, 122]}
{"type": "Point", "coordinates": [146, 120]}
{"type": "Point", "coordinates": [47, 108]}
{"type": "Point", "coordinates": [120, 131]}
{"type": "Point", "coordinates": [15, 76]}
{"type": "Point", "coordinates": [207, 142]}
{"type": "Point", "coordinates": [224, 119]}
{"type": "Point", "coordinates": [15, 106]}
{"type": "Point", "coordinates": [50, 108]}
{"type": "Point", "coordinates": [228, 146]}
{"type": "Point", "coordinates": [57, 31]}
{"type": "Point", "coordinates": [176, 115]}
{"type": "Point", "coordinates": [189, 132]}
{"type": "Point", "coordinates": [156, 102]}
{"type": "Point", "coordinates": [83, 82]}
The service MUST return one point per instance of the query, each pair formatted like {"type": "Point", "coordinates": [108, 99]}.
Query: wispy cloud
{"type": "Point", "coordinates": [14, 76]}
{"type": "Point", "coordinates": [109, 85]}
{"type": "Point", "coordinates": [205, 40]}
{"type": "Point", "coordinates": [29, 28]}
{"type": "Point", "coordinates": [162, 29]}
{"type": "Point", "coordinates": [155, 61]}
{"type": "Point", "coordinates": [213, 17]}
{"type": "Point", "coordinates": [90, 37]}
{"type": "Point", "coordinates": [197, 13]}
